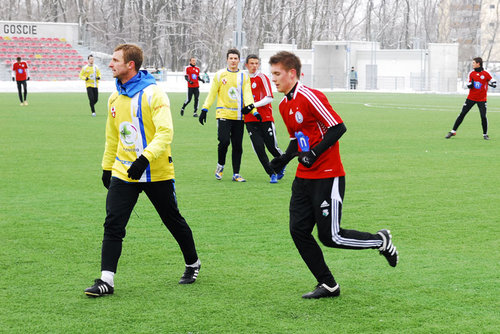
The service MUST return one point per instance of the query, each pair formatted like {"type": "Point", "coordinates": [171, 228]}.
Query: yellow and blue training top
{"type": "Point", "coordinates": [233, 92]}
{"type": "Point", "coordinates": [139, 122]}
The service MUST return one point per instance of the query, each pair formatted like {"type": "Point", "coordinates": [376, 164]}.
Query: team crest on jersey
{"type": "Point", "coordinates": [326, 212]}
{"type": "Point", "coordinates": [224, 81]}
{"type": "Point", "coordinates": [113, 111]}
{"type": "Point", "coordinates": [482, 76]}
{"type": "Point", "coordinates": [298, 117]}
{"type": "Point", "coordinates": [128, 133]}
{"type": "Point", "coordinates": [233, 93]}
{"type": "Point", "coordinates": [254, 85]}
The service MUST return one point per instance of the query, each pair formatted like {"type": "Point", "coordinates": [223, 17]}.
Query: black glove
{"type": "Point", "coordinates": [98, 78]}
{"type": "Point", "coordinates": [28, 78]}
{"type": "Point", "coordinates": [258, 116]}
{"type": "Point", "coordinates": [247, 109]}
{"type": "Point", "coordinates": [106, 178]}
{"type": "Point", "coordinates": [471, 85]}
{"type": "Point", "coordinates": [307, 158]}
{"type": "Point", "coordinates": [191, 82]}
{"type": "Point", "coordinates": [13, 79]}
{"type": "Point", "coordinates": [137, 168]}
{"type": "Point", "coordinates": [87, 78]}
{"type": "Point", "coordinates": [278, 163]}
{"type": "Point", "coordinates": [493, 84]}
{"type": "Point", "coordinates": [200, 79]}
{"type": "Point", "coordinates": [203, 116]}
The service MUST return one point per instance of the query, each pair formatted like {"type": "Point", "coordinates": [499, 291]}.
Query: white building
{"type": "Point", "coordinates": [327, 65]}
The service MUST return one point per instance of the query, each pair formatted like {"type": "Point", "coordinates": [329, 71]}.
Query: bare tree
{"type": "Point", "coordinates": [171, 31]}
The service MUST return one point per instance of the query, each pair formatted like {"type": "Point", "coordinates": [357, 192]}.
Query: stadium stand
{"type": "Point", "coordinates": [47, 58]}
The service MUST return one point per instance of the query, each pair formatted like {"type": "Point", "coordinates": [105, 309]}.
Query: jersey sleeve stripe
{"type": "Point", "coordinates": [265, 83]}
{"type": "Point", "coordinates": [318, 105]}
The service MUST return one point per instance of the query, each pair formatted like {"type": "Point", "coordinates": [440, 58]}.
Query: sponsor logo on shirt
{"type": "Point", "coordinates": [233, 93]}
{"type": "Point", "coordinates": [113, 112]}
{"type": "Point", "coordinates": [298, 117]}
{"type": "Point", "coordinates": [224, 81]}
{"type": "Point", "coordinates": [128, 133]}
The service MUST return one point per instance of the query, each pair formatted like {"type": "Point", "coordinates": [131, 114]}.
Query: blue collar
{"type": "Point", "coordinates": [137, 83]}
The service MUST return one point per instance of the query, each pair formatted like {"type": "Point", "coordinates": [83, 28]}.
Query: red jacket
{"type": "Point", "coordinates": [310, 112]}
{"type": "Point", "coordinates": [21, 70]}
{"type": "Point", "coordinates": [480, 88]}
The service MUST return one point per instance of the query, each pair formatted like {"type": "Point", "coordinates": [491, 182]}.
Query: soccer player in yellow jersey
{"type": "Point", "coordinates": [91, 74]}
{"type": "Point", "coordinates": [231, 87]}
{"type": "Point", "coordinates": [137, 157]}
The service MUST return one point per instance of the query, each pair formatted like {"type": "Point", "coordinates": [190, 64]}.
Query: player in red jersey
{"type": "Point", "coordinates": [192, 76]}
{"type": "Point", "coordinates": [262, 131]}
{"type": "Point", "coordinates": [319, 184]}
{"type": "Point", "coordinates": [20, 74]}
{"type": "Point", "coordinates": [479, 80]}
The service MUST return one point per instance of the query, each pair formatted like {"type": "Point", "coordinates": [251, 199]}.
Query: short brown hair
{"type": "Point", "coordinates": [132, 52]}
{"type": "Point", "coordinates": [233, 51]}
{"type": "Point", "coordinates": [288, 60]}
{"type": "Point", "coordinates": [252, 56]}
{"type": "Point", "coordinates": [479, 61]}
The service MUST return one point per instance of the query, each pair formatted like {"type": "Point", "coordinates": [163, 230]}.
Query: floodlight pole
{"type": "Point", "coordinates": [239, 24]}
{"type": "Point", "coordinates": [239, 34]}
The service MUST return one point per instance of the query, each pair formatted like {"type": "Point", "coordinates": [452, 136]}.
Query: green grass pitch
{"type": "Point", "coordinates": [439, 197]}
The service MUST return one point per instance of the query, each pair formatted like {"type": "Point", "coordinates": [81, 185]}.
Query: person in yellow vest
{"type": "Point", "coordinates": [91, 74]}
{"type": "Point", "coordinates": [231, 87]}
{"type": "Point", "coordinates": [137, 157]}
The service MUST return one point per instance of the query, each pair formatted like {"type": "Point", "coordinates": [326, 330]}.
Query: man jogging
{"type": "Point", "coordinates": [262, 132]}
{"type": "Point", "coordinates": [20, 74]}
{"type": "Point", "coordinates": [192, 76]}
{"type": "Point", "coordinates": [91, 74]}
{"type": "Point", "coordinates": [137, 158]}
{"type": "Point", "coordinates": [319, 185]}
